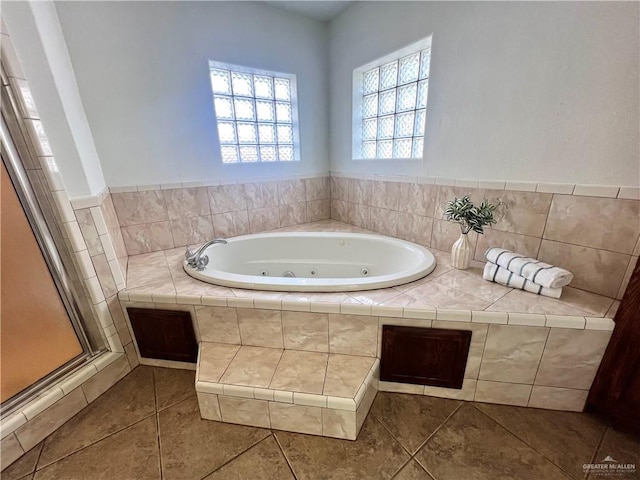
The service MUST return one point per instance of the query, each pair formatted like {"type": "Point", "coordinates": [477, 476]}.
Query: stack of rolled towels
{"type": "Point", "coordinates": [517, 271]}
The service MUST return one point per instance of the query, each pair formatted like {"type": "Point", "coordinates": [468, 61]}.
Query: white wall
{"type": "Point", "coordinates": [39, 42]}
{"type": "Point", "coordinates": [142, 70]}
{"type": "Point", "coordinates": [535, 91]}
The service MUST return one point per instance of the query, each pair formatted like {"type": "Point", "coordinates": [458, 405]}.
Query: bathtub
{"type": "Point", "coordinates": [312, 261]}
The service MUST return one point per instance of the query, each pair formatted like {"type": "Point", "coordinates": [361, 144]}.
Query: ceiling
{"type": "Point", "coordinates": [319, 10]}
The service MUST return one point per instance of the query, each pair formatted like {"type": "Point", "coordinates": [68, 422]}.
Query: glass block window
{"type": "Point", "coordinates": [257, 114]}
{"type": "Point", "coordinates": [390, 104]}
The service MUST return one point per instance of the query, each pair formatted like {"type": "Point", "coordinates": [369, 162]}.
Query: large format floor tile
{"type": "Point", "coordinates": [131, 453]}
{"type": "Point", "coordinates": [127, 402]}
{"type": "Point", "coordinates": [411, 418]}
{"type": "Point", "coordinates": [567, 439]}
{"type": "Point", "coordinates": [471, 446]}
{"type": "Point", "coordinates": [192, 447]}
{"type": "Point", "coordinates": [264, 460]}
{"type": "Point", "coordinates": [375, 454]}
{"type": "Point", "coordinates": [148, 427]}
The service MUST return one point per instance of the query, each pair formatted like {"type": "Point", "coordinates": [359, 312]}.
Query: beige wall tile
{"type": "Point", "coordinates": [385, 195]}
{"type": "Point", "coordinates": [186, 202]}
{"type": "Point", "coordinates": [605, 223]}
{"type": "Point", "coordinates": [448, 193]}
{"type": "Point", "coordinates": [503, 393]}
{"type": "Point", "coordinates": [252, 366]}
{"type": "Point", "coordinates": [34, 431]}
{"type": "Point", "coordinates": [383, 221]}
{"type": "Point", "coordinates": [89, 231]}
{"type": "Point", "coordinates": [414, 228]}
{"type": "Point", "coordinates": [523, 212]}
{"type": "Point", "coordinates": [345, 374]}
{"type": "Point", "coordinates": [571, 358]}
{"type": "Point", "coordinates": [627, 277]}
{"type": "Point", "coordinates": [339, 424]}
{"type": "Point", "coordinates": [261, 328]}
{"type": "Point", "coordinates": [296, 418]}
{"type": "Point", "coordinates": [231, 224]}
{"type": "Point", "coordinates": [597, 271]}
{"type": "Point", "coordinates": [515, 242]}
{"type": "Point", "coordinates": [148, 237]}
{"type": "Point", "coordinates": [261, 195]}
{"type": "Point", "coordinates": [105, 277]}
{"type": "Point", "coordinates": [209, 406]}
{"type": "Point", "coordinates": [227, 198]}
{"type": "Point", "coordinates": [340, 188]}
{"type": "Point", "coordinates": [300, 372]}
{"type": "Point", "coordinates": [418, 199]}
{"type": "Point", "coordinates": [445, 233]}
{"type": "Point", "coordinates": [291, 191]}
{"type": "Point", "coordinates": [558, 398]}
{"type": "Point", "coordinates": [214, 360]}
{"type": "Point", "coordinates": [360, 215]}
{"type": "Point", "coordinates": [360, 192]}
{"type": "Point", "coordinates": [135, 208]}
{"type": "Point", "coordinates": [316, 188]}
{"type": "Point", "coordinates": [478, 338]}
{"type": "Point", "coordinates": [261, 219]}
{"type": "Point", "coordinates": [218, 324]}
{"type": "Point", "coordinates": [306, 331]}
{"type": "Point", "coordinates": [10, 450]}
{"type": "Point", "coordinates": [244, 411]}
{"type": "Point", "coordinates": [353, 334]}
{"type": "Point", "coordinates": [340, 210]}
{"type": "Point", "coordinates": [190, 230]}
{"type": "Point", "coordinates": [318, 210]}
{"type": "Point", "coordinates": [512, 353]}
{"type": "Point", "coordinates": [292, 214]}
{"type": "Point", "coordinates": [106, 378]}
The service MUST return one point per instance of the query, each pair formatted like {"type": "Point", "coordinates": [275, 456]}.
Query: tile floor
{"type": "Point", "coordinates": [148, 427]}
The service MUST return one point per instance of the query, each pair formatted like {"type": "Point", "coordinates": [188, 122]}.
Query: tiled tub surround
{"type": "Point", "coordinates": [159, 217]}
{"type": "Point", "coordinates": [575, 227]}
{"type": "Point", "coordinates": [526, 350]}
{"type": "Point", "coordinates": [310, 392]}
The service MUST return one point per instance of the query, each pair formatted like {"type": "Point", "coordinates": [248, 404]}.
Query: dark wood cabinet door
{"type": "Point", "coordinates": [164, 334]}
{"type": "Point", "coordinates": [615, 392]}
{"type": "Point", "coordinates": [424, 356]}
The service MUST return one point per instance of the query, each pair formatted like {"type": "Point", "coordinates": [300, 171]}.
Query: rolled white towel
{"type": "Point", "coordinates": [540, 273]}
{"type": "Point", "coordinates": [495, 273]}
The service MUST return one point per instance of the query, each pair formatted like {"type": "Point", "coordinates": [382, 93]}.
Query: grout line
{"type": "Point", "coordinates": [598, 447]}
{"type": "Point", "coordinates": [521, 439]}
{"type": "Point", "coordinates": [237, 456]}
{"type": "Point", "coordinates": [35, 467]}
{"type": "Point", "coordinates": [157, 419]}
{"type": "Point", "coordinates": [389, 431]}
{"type": "Point", "coordinates": [275, 437]}
{"type": "Point", "coordinates": [229, 364]}
{"type": "Point", "coordinates": [455, 410]}
{"type": "Point", "coordinates": [546, 340]}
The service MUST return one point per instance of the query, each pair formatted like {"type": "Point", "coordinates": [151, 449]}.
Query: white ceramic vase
{"type": "Point", "coordinates": [461, 252]}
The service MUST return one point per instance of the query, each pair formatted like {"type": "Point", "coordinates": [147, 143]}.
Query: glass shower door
{"type": "Point", "coordinates": [37, 336]}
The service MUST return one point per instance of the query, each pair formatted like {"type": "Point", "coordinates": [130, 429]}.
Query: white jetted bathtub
{"type": "Point", "coordinates": [319, 262]}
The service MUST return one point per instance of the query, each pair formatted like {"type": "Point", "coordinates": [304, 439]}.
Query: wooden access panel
{"type": "Point", "coordinates": [424, 356]}
{"type": "Point", "coordinates": [164, 334]}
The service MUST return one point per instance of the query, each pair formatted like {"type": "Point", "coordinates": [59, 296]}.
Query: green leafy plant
{"type": "Point", "coordinates": [469, 216]}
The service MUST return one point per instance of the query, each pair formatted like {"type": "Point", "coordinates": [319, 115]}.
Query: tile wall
{"type": "Point", "coordinates": [158, 217]}
{"type": "Point", "coordinates": [98, 266]}
{"type": "Point", "coordinates": [592, 231]}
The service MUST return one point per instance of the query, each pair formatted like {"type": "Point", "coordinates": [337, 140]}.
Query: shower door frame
{"type": "Point", "coordinates": [64, 276]}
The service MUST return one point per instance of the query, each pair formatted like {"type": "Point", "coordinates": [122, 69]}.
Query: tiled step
{"type": "Point", "coordinates": [305, 392]}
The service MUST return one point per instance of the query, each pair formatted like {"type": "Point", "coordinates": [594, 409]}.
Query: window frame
{"type": "Point", "coordinates": [295, 122]}
{"type": "Point", "coordinates": [358, 100]}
